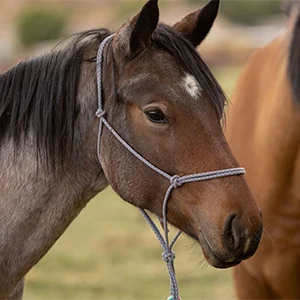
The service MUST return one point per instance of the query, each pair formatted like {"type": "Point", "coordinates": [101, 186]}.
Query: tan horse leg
{"type": "Point", "coordinates": [249, 287]}
{"type": "Point", "coordinates": [17, 293]}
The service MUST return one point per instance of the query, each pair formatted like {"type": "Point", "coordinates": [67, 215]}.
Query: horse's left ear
{"type": "Point", "coordinates": [197, 25]}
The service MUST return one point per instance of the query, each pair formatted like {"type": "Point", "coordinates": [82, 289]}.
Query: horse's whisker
{"type": "Point", "coordinates": [268, 234]}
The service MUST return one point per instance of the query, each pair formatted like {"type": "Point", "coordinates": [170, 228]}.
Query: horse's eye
{"type": "Point", "coordinates": [155, 115]}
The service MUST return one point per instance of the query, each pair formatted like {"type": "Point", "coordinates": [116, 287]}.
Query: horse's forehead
{"type": "Point", "coordinates": [185, 82]}
{"type": "Point", "coordinates": [191, 85]}
{"type": "Point", "coordinates": [140, 78]}
{"type": "Point", "coordinates": [159, 72]}
{"type": "Point", "coordinates": [156, 62]}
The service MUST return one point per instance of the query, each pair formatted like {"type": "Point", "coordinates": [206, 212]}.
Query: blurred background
{"type": "Point", "coordinates": [109, 252]}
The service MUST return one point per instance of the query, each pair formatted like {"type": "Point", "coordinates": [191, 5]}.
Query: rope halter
{"type": "Point", "coordinates": [175, 180]}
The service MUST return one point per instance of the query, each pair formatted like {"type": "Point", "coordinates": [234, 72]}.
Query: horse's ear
{"type": "Point", "coordinates": [142, 26]}
{"type": "Point", "coordinates": [197, 25]}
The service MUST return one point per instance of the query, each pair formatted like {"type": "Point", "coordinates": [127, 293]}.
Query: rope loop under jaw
{"type": "Point", "coordinates": [168, 257]}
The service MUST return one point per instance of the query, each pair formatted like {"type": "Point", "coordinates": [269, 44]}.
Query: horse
{"type": "Point", "coordinates": [263, 132]}
{"type": "Point", "coordinates": [161, 98]}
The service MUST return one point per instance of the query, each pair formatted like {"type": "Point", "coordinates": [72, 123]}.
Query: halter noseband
{"type": "Point", "coordinates": [175, 181]}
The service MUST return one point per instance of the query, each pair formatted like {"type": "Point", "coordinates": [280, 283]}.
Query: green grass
{"type": "Point", "coordinates": [110, 253]}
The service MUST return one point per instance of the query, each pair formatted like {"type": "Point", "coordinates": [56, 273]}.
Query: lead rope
{"type": "Point", "coordinates": [175, 181]}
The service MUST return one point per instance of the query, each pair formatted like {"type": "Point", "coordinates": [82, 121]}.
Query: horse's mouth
{"type": "Point", "coordinates": [212, 258]}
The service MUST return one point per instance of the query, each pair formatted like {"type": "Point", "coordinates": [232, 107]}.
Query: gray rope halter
{"type": "Point", "coordinates": [175, 181]}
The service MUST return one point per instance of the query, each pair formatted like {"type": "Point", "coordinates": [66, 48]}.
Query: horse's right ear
{"type": "Point", "coordinates": [136, 35]}
{"type": "Point", "coordinates": [197, 25]}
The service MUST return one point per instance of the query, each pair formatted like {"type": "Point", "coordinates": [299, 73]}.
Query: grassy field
{"type": "Point", "coordinates": [110, 253]}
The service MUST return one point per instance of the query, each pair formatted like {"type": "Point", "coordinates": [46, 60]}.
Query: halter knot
{"type": "Point", "coordinates": [168, 257]}
{"type": "Point", "coordinates": [100, 113]}
{"type": "Point", "coordinates": [175, 181]}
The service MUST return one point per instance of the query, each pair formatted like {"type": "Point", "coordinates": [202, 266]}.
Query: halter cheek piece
{"type": "Point", "coordinates": [175, 181]}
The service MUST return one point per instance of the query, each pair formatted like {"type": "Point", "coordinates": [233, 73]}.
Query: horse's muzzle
{"type": "Point", "coordinates": [238, 243]}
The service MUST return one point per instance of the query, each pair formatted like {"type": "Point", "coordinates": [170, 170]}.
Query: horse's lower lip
{"type": "Point", "coordinates": [212, 258]}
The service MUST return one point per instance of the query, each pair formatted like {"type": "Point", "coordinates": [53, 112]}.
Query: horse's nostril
{"type": "Point", "coordinates": [237, 231]}
{"type": "Point", "coordinates": [232, 232]}
{"type": "Point", "coordinates": [239, 241]}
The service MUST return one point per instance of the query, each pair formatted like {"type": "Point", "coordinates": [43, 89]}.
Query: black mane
{"type": "Point", "coordinates": [41, 95]}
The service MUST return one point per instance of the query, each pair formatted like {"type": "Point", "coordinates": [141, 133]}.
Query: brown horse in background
{"type": "Point", "coordinates": [264, 133]}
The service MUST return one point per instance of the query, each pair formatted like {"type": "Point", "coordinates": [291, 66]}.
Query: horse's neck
{"type": "Point", "coordinates": [36, 208]}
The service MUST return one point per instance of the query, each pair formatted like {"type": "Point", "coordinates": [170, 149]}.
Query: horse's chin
{"type": "Point", "coordinates": [211, 257]}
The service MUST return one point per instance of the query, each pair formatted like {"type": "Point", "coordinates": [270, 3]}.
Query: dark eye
{"type": "Point", "coordinates": [155, 115]}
